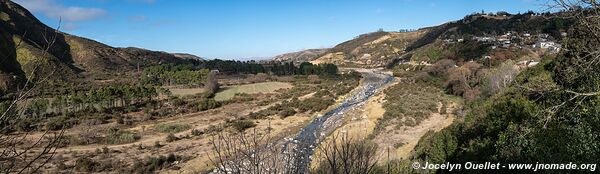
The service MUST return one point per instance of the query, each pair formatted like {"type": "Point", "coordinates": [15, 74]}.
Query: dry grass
{"type": "Point", "coordinates": [400, 140]}
{"type": "Point", "coordinates": [195, 148]}
{"type": "Point", "coordinates": [266, 87]}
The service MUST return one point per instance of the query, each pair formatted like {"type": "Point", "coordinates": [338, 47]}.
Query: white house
{"type": "Point", "coordinates": [552, 46]}
{"type": "Point", "coordinates": [544, 45]}
{"type": "Point", "coordinates": [506, 44]}
{"type": "Point", "coordinates": [484, 39]}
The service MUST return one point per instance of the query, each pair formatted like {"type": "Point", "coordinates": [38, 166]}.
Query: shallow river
{"type": "Point", "coordinates": [303, 145]}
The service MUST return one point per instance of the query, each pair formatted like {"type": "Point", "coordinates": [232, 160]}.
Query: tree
{"type": "Point", "coordinates": [261, 77]}
{"type": "Point", "coordinates": [212, 84]}
{"type": "Point", "coordinates": [548, 114]}
{"type": "Point", "coordinates": [37, 107]}
{"type": "Point", "coordinates": [502, 76]}
{"type": "Point", "coordinates": [458, 80]}
{"type": "Point", "coordinates": [307, 68]}
{"type": "Point", "coordinates": [17, 155]}
{"type": "Point", "coordinates": [248, 152]}
{"type": "Point", "coordinates": [344, 154]}
{"type": "Point", "coordinates": [329, 69]}
{"type": "Point", "coordinates": [440, 67]}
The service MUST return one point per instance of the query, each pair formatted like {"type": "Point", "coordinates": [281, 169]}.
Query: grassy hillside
{"type": "Point", "coordinates": [25, 48]}
{"type": "Point", "coordinates": [300, 56]}
{"type": "Point", "coordinates": [385, 49]}
{"type": "Point", "coordinates": [370, 50]}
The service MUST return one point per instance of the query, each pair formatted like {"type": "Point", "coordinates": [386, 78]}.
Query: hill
{"type": "Point", "coordinates": [188, 56]}
{"type": "Point", "coordinates": [549, 107]}
{"type": "Point", "coordinates": [301, 56]}
{"type": "Point", "coordinates": [370, 50]}
{"type": "Point", "coordinates": [385, 49]}
{"type": "Point", "coordinates": [31, 50]}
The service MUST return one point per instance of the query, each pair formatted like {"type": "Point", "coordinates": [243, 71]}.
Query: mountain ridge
{"type": "Point", "coordinates": [385, 49]}
{"type": "Point", "coordinates": [370, 50]}
{"type": "Point", "coordinates": [300, 56]}
{"type": "Point", "coordinates": [30, 49]}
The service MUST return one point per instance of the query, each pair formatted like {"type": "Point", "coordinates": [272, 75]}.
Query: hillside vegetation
{"type": "Point", "coordinates": [544, 114]}
{"type": "Point", "coordinates": [370, 50]}
{"type": "Point", "coordinates": [31, 50]}
{"type": "Point", "coordinates": [480, 89]}
{"type": "Point", "coordinates": [385, 49]}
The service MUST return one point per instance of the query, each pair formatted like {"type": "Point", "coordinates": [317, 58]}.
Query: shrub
{"type": "Point", "coordinates": [154, 163]}
{"type": "Point", "coordinates": [315, 104]}
{"type": "Point", "coordinates": [207, 103]}
{"type": "Point", "coordinates": [86, 164]}
{"type": "Point", "coordinates": [120, 119]}
{"type": "Point", "coordinates": [196, 132]}
{"type": "Point", "coordinates": [457, 83]}
{"type": "Point", "coordinates": [340, 151]}
{"type": "Point", "coordinates": [178, 101]}
{"type": "Point", "coordinates": [105, 150]}
{"type": "Point", "coordinates": [436, 147]}
{"type": "Point", "coordinates": [86, 137]}
{"type": "Point", "coordinates": [409, 104]}
{"type": "Point", "coordinates": [116, 136]}
{"type": "Point", "coordinates": [61, 122]}
{"type": "Point", "coordinates": [286, 112]}
{"type": "Point", "coordinates": [440, 67]}
{"type": "Point", "coordinates": [241, 125]}
{"type": "Point", "coordinates": [172, 127]}
{"type": "Point", "coordinates": [171, 137]}
{"type": "Point", "coordinates": [444, 108]}
{"type": "Point", "coordinates": [399, 144]}
{"type": "Point", "coordinates": [242, 97]}
{"type": "Point", "coordinates": [213, 128]}
{"type": "Point", "coordinates": [26, 125]}
{"type": "Point", "coordinates": [131, 108]}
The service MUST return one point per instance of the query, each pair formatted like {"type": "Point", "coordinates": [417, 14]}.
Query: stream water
{"type": "Point", "coordinates": [301, 148]}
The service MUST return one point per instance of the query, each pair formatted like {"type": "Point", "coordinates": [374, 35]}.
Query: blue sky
{"type": "Point", "coordinates": [234, 29]}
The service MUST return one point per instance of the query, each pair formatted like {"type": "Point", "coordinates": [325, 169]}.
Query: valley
{"type": "Point", "coordinates": [302, 146]}
{"type": "Point", "coordinates": [489, 87]}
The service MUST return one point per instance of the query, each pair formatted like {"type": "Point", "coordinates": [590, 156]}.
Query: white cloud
{"type": "Point", "coordinates": [53, 9]}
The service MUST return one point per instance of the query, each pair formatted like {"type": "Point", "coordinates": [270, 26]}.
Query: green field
{"type": "Point", "coordinates": [185, 91]}
{"type": "Point", "coordinates": [266, 87]}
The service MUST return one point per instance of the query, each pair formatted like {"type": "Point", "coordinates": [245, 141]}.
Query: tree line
{"type": "Point", "coordinates": [171, 74]}
{"type": "Point", "coordinates": [234, 66]}
{"type": "Point", "coordinates": [195, 75]}
{"type": "Point", "coordinates": [277, 68]}
{"type": "Point", "coordinates": [305, 68]}
{"type": "Point", "coordinates": [101, 98]}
